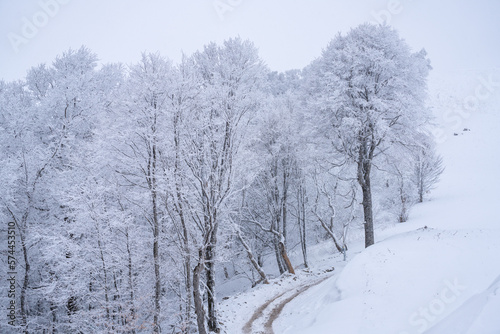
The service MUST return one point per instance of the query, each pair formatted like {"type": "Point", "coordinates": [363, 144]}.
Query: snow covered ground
{"type": "Point", "coordinates": [437, 273]}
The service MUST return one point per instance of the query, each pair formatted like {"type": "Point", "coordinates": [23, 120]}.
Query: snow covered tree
{"type": "Point", "coordinates": [144, 128]}
{"type": "Point", "coordinates": [181, 102]}
{"type": "Point", "coordinates": [54, 131]}
{"type": "Point", "coordinates": [327, 204]}
{"type": "Point", "coordinates": [398, 189]}
{"type": "Point", "coordinates": [231, 78]}
{"type": "Point", "coordinates": [370, 89]}
{"type": "Point", "coordinates": [268, 198]}
{"type": "Point", "coordinates": [428, 166]}
{"type": "Point", "coordinates": [23, 170]}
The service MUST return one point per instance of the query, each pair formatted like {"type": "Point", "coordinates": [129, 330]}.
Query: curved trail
{"type": "Point", "coordinates": [247, 329]}
{"type": "Point", "coordinates": [274, 313]}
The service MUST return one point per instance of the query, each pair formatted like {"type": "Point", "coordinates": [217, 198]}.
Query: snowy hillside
{"type": "Point", "coordinates": [437, 273]}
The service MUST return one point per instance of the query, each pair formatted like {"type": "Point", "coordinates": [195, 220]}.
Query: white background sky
{"type": "Point", "coordinates": [457, 34]}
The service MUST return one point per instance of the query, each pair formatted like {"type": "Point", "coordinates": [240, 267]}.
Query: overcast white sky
{"type": "Point", "coordinates": [458, 34]}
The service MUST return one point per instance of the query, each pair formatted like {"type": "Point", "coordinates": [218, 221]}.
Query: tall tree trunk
{"type": "Point", "coordinates": [156, 257]}
{"type": "Point", "coordinates": [364, 168]}
{"type": "Point", "coordinates": [368, 214]}
{"type": "Point", "coordinates": [180, 211]}
{"type": "Point", "coordinates": [420, 184]}
{"type": "Point", "coordinates": [24, 287]}
{"type": "Point", "coordinates": [117, 316]}
{"type": "Point", "coordinates": [187, 265]}
{"type": "Point", "coordinates": [403, 215]}
{"type": "Point", "coordinates": [130, 283]}
{"type": "Point", "coordinates": [213, 325]}
{"type": "Point", "coordinates": [197, 297]}
{"type": "Point", "coordinates": [156, 237]}
{"type": "Point", "coordinates": [277, 239]}
{"type": "Point", "coordinates": [275, 210]}
{"type": "Point", "coordinates": [301, 221]}
{"type": "Point", "coordinates": [277, 252]}
{"type": "Point", "coordinates": [285, 256]}
{"type": "Point", "coordinates": [419, 176]}
{"type": "Point", "coordinates": [53, 311]}
{"type": "Point", "coordinates": [283, 208]}
{"type": "Point", "coordinates": [104, 271]}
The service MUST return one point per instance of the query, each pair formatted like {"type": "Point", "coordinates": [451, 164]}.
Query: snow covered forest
{"type": "Point", "coordinates": [138, 191]}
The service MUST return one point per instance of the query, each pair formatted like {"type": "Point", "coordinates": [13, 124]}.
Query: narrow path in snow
{"type": "Point", "coordinates": [247, 329]}
{"type": "Point", "coordinates": [276, 310]}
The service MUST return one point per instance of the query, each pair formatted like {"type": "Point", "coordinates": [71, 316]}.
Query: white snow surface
{"type": "Point", "coordinates": [437, 273]}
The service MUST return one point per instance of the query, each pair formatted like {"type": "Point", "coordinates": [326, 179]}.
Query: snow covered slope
{"type": "Point", "coordinates": [440, 272]}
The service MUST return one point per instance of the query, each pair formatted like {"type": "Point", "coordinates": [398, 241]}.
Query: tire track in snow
{"type": "Point", "coordinates": [276, 310]}
{"type": "Point", "coordinates": [247, 329]}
